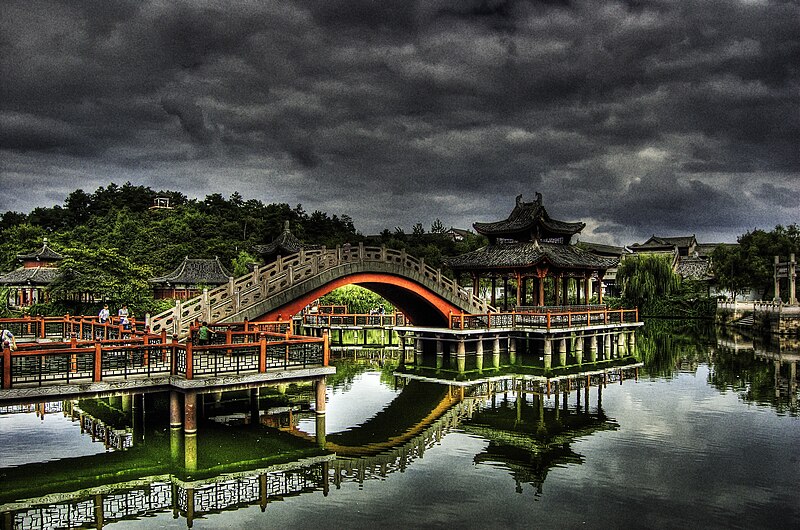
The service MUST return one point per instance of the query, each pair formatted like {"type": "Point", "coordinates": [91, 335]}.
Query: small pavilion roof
{"type": "Point", "coordinates": [30, 276]}
{"type": "Point", "coordinates": [196, 271]}
{"type": "Point", "coordinates": [286, 243]}
{"type": "Point", "coordinates": [43, 254]}
{"type": "Point", "coordinates": [527, 255]}
{"type": "Point", "coordinates": [527, 221]}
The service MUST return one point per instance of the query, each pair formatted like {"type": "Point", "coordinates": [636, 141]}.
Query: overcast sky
{"type": "Point", "coordinates": [636, 117]}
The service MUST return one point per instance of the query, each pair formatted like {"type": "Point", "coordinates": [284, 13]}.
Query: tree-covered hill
{"type": "Point", "coordinates": [115, 240]}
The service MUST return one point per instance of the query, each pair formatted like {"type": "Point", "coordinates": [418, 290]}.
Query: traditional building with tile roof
{"type": "Point", "coordinates": [531, 247]}
{"type": "Point", "coordinates": [286, 243]}
{"type": "Point", "coordinates": [189, 278]}
{"type": "Point", "coordinates": [27, 284]}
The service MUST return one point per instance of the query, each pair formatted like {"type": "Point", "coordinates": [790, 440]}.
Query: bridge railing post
{"type": "Point", "coordinates": [6, 366]}
{"type": "Point", "coordinates": [98, 363]}
{"type": "Point", "coordinates": [262, 352]}
{"type": "Point", "coordinates": [360, 251]}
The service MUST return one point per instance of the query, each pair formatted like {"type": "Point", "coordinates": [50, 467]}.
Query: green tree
{"type": "Point", "coordinates": [106, 274]}
{"type": "Point", "coordinates": [645, 278]}
{"type": "Point", "coordinates": [242, 262]}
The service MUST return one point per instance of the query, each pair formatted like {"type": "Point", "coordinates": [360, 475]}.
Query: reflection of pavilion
{"type": "Point", "coordinates": [529, 434]}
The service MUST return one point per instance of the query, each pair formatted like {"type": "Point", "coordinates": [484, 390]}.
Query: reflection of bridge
{"type": "Point", "coordinates": [284, 287]}
{"type": "Point", "coordinates": [469, 407]}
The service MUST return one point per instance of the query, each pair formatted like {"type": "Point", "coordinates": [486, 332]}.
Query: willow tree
{"type": "Point", "coordinates": [645, 278]}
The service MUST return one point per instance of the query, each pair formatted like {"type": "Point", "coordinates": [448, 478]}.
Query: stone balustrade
{"type": "Point", "coordinates": [286, 272]}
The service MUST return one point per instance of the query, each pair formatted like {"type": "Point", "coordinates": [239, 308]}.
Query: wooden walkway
{"type": "Point", "coordinates": [46, 364]}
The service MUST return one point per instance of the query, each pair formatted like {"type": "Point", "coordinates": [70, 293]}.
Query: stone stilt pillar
{"type": "Point", "coordinates": [461, 356]}
{"type": "Point", "coordinates": [562, 352]}
{"type": "Point", "coordinates": [593, 347]}
{"type": "Point", "coordinates": [479, 359]}
{"type": "Point", "coordinates": [496, 344]}
{"type": "Point", "coordinates": [418, 349]}
{"type": "Point", "coordinates": [632, 343]}
{"type": "Point", "coordinates": [190, 431]}
{"type": "Point", "coordinates": [578, 348]}
{"type": "Point", "coordinates": [125, 402]}
{"type": "Point", "coordinates": [512, 345]}
{"type": "Point", "coordinates": [606, 346]}
{"type": "Point", "coordinates": [175, 426]}
{"type": "Point", "coordinates": [548, 353]}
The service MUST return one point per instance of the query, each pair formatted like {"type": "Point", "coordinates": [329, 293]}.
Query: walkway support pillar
{"type": "Point", "coordinates": [593, 347]}
{"type": "Point", "coordinates": [562, 352]}
{"type": "Point", "coordinates": [548, 353]}
{"type": "Point", "coordinates": [175, 425]}
{"type": "Point", "coordinates": [190, 430]}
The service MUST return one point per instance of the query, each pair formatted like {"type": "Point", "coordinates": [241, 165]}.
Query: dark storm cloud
{"type": "Point", "coordinates": [637, 117]}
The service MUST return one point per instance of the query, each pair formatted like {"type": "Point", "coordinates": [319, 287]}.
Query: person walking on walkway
{"type": "Point", "coordinates": [104, 314]}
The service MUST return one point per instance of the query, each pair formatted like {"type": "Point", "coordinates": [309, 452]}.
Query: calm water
{"type": "Point", "coordinates": [707, 436]}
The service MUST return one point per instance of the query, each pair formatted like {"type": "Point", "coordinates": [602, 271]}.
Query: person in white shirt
{"type": "Point", "coordinates": [8, 340]}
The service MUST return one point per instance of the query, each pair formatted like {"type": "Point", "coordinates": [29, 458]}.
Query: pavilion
{"type": "Point", "coordinates": [189, 278]}
{"type": "Point", "coordinates": [28, 284]}
{"type": "Point", "coordinates": [285, 244]}
{"type": "Point", "coordinates": [531, 248]}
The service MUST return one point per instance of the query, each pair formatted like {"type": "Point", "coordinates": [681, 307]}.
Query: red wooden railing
{"type": "Point", "coordinates": [545, 319]}
{"type": "Point", "coordinates": [239, 348]}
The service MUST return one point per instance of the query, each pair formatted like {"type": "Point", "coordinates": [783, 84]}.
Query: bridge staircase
{"type": "Point", "coordinates": [271, 286]}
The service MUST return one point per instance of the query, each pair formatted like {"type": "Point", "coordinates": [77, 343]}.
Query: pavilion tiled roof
{"type": "Point", "coordinates": [529, 254]}
{"type": "Point", "coordinates": [196, 272]}
{"type": "Point", "coordinates": [524, 218]}
{"type": "Point", "coordinates": [30, 276]}
{"type": "Point", "coordinates": [44, 254]}
{"type": "Point", "coordinates": [286, 243]}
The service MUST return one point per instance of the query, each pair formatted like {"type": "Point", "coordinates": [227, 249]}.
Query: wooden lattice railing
{"type": "Point", "coordinates": [264, 282]}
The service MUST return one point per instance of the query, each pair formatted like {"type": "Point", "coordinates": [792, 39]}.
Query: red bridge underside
{"type": "Point", "coordinates": [421, 306]}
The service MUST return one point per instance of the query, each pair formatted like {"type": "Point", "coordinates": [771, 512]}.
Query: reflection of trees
{"type": "Point", "coordinates": [665, 345]}
{"type": "Point", "coordinates": [752, 379]}
{"type": "Point", "coordinates": [350, 366]}
{"type": "Point", "coordinates": [751, 371]}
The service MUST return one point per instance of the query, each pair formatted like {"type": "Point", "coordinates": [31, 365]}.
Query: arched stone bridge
{"type": "Point", "coordinates": [283, 288]}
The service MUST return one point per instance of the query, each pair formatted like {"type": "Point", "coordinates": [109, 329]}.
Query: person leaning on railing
{"type": "Point", "coordinates": [204, 334]}
{"type": "Point", "coordinates": [8, 340]}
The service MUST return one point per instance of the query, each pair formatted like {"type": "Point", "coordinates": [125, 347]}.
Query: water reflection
{"type": "Point", "coordinates": [126, 457]}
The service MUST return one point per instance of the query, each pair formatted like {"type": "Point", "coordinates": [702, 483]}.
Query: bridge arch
{"type": "Point", "coordinates": [421, 304]}
{"type": "Point", "coordinates": [287, 285]}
